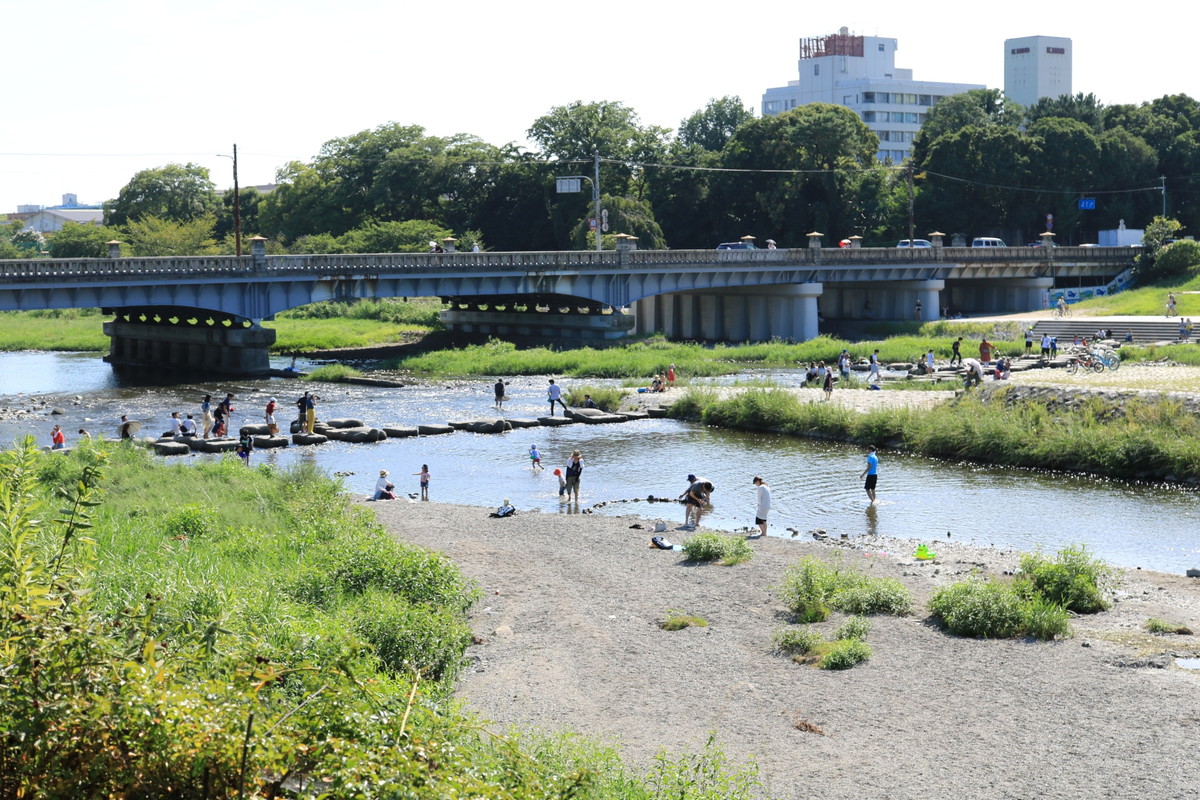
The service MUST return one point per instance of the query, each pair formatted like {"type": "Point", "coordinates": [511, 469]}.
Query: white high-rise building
{"type": "Point", "coordinates": [860, 72]}
{"type": "Point", "coordinates": [1036, 67]}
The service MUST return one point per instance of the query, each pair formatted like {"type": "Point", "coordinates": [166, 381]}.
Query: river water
{"type": "Point", "coordinates": [814, 484]}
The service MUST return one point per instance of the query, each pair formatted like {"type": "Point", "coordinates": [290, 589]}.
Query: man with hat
{"type": "Point", "coordinates": [573, 472]}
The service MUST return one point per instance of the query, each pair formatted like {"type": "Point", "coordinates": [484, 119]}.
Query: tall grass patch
{"type": "Point", "coordinates": [1072, 578]}
{"type": "Point", "coordinates": [811, 588]}
{"type": "Point", "coordinates": [997, 610]}
{"type": "Point", "coordinates": [722, 548]}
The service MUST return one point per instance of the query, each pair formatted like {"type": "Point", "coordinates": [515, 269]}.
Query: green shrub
{"type": "Point", "coordinates": [873, 596]}
{"type": "Point", "coordinates": [854, 628]}
{"type": "Point", "coordinates": [795, 641]}
{"type": "Point", "coordinates": [812, 587]}
{"type": "Point", "coordinates": [190, 521]}
{"type": "Point", "coordinates": [997, 610]}
{"type": "Point", "coordinates": [408, 638]}
{"type": "Point", "coordinates": [1072, 579]}
{"type": "Point", "coordinates": [1156, 625]}
{"type": "Point", "coordinates": [712, 546]}
{"type": "Point", "coordinates": [845, 653]}
{"type": "Point", "coordinates": [607, 398]}
{"type": "Point", "coordinates": [982, 609]}
{"type": "Point", "coordinates": [1045, 620]}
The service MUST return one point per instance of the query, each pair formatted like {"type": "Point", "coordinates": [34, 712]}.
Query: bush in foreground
{"type": "Point", "coordinates": [1071, 578]}
{"type": "Point", "coordinates": [712, 546]}
{"type": "Point", "coordinates": [813, 587]}
{"type": "Point", "coordinates": [996, 610]}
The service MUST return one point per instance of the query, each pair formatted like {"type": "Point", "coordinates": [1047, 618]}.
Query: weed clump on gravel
{"type": "Point", "coordinates": [813, 587]}
{"type": "Point", "coordinates": [719, 547]}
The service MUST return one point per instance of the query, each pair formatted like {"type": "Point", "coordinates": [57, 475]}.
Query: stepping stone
{"type": "Point", "coordinates": [434, 430]}
{"type": "Point", "coordinates": [309, 438]}
{"type": "Point", "coordinates": [524, 423]}
{"type": "Point", "coordinates": [218, 445]}
{"type": "Point", "coordinates": [170, 448]}
{"type": "Point", "coordinates": [554, 422]}
{"type": "Point", "coordinates": [357, 435]}
{"type": "Point", "coordinates": [399, 433]}
{"type": "Point", "coordinates": [268, 442]}
{"type": "Point", "coordinates": [254, 430]}
{"type": "Point", "coordinates": [345, 422]}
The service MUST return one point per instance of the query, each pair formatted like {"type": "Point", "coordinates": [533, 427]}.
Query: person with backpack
{"type": "Point", "coordinates": [573, 472]}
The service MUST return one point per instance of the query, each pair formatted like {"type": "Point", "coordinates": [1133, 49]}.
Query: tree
{"type": "Point", "coordinates": [176, 192]}
{"type": "Point", "coordinates": [1064, 158]}
{"type": "Point", "coordinates": [410, 236]}
{"type": "Point", "coordinates": [1129, 179]}
{"type": "Point", "coordinates": [829, 152]}
{"type": "Point", "coordinates": [249, 202]}
{"type": "Point", "coordinates": [1082, 107]}
{"type": "Point", "coordinates": [712, 126]}
{"type": "Point", "coordinates": [979, 108]}
{"type": "Point", "coordinates": [155, 236]}
{"type": "Point", "coordinates": [632, 217]}
{"type": "Point", "coordinates": [1154, 240]}
{"type": "Point", "coordinates": [77, 240]}
{"type": "Point", "coordinates": [968, 185]}
{"type": "Point", "coordinates": [575, 132]}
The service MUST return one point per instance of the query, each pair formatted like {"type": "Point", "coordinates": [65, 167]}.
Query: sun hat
{"type": "Point", "coordinates": [383, 473]}
{"type": "Point", "coordinates": [558, 472]}
{"type": "Point", "coordinates": [577, 454]}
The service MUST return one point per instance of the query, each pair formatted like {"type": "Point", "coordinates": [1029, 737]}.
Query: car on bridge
{"type": "Point", "coordinates": [736, 246]}
{"type": "Point", "coordinates": [915, 243]}
{"type": "Point", "coordinates": [987, 241]}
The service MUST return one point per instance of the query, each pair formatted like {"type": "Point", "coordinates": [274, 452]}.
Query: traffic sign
{"type": "Point", "coordinates": [592, 223]}
{"type": "Point", "coordinates": [1087, 204]}
{"type": "Point", "coordinates": [568, 185]}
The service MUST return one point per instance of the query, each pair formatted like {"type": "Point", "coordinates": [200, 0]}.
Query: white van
{"type": "Point", "coordinates": [987, 241]}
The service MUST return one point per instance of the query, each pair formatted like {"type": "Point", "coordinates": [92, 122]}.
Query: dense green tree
{"type": "Point", "coordinates": [249, 202]}
{"type": "Point", "coordinates": [1064, 159]}
{"type": "Point", "coordinates": [1158, 233]}
{"type": "Point", "coordinates": [1082, 107]}
{"type": "Point", "coordinates": [156, 236]}
{"type": "Point", "coordinates": [632, 217]}
{"type": "Point", "coordinates": [712, 126]}
{"type": "Point", "coordinates": [686, 201]}
{"type": "Point", "coordinates": [77, 240]}
{"type": "Point", "coordinates": [8, 248]}
{"type": "Point", "coordinates": [971, 179]}
{"type": "Point", "coordinates": [1126, 181]}
{"type": "Point", "coordinates": [979, 108]}
{"type": "Point", "coordinates": [573, 133]}
{"type": "Point", "coordinates": [410, 236]}
{"type": "Point", "coordinates": [828, 151]}
{"type": "Point", "coordinates": [176, 192]}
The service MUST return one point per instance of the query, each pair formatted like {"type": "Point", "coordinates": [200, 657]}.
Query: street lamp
{"type": "Point", "coordinates": [237, 203]}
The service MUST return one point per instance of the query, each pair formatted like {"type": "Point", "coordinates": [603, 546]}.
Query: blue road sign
{"type": "Point", "coordinates": [1087, 204]}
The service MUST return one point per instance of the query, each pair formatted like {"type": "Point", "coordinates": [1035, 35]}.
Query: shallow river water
{"type": "Point", "coordinates": [814, 484]}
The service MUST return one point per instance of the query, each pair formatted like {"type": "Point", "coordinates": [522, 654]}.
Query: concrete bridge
{"type": "Point", "coordinates": [204, 312]}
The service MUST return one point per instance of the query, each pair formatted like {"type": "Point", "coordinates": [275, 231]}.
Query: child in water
{"type": "Point", "coordinates": [562, 486]}
{"type": "Point", "coordinates": [535, 457]}
{"type": "Point", "coordinates": [424, 473]}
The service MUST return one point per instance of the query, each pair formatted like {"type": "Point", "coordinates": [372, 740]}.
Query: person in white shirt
{"type": "Point", "coordinates": [188, 427]}
{"type": "Point", "coordinates": [764, 506]}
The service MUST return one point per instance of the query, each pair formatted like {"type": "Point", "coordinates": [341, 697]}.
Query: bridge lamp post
{"type": "Point", "coordinates": [237, 203]}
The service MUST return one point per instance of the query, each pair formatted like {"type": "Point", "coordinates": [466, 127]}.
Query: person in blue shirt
{"type": "Point", "coordinates": [871, 473]}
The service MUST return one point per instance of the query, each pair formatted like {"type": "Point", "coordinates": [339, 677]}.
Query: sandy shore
{"type": "Point", "coordinates": [570, 641]}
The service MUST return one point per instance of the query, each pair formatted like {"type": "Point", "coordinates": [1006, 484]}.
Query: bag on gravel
{"type": "Point", "coordinates": [659, 526]}
{"type": "Point", "coordinates": [661, 543]}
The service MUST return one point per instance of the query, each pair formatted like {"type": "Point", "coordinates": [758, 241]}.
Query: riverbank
{"type": "Point", "coordinates": [569, 640]}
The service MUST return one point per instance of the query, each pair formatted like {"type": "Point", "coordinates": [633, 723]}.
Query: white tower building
{"type": "Point", "coordinates": [1036, 67]}
{"type": "Point", "coordinates": [860, 72]}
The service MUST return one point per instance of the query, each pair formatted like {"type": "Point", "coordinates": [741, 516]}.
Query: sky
{"type": "Point", "coordinates": [100, 89]}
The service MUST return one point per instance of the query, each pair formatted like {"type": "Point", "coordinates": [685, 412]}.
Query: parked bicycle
{"type": "Point", "coordinates": [1086, 361]}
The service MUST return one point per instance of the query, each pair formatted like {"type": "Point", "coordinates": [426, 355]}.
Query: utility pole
{"type": "Point", "coordinates": [237, 207]}
{"type": "Point", "coordinates": [596, 196]}
{"type": "Point", "coordinates": [1163, 178]}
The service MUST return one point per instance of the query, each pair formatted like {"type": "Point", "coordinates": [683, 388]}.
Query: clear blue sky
{"type": "Point", "coordinates": [100, 89]}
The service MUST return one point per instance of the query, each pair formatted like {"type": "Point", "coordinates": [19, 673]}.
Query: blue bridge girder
{"type": "Point", "coordinates": [258, 286]}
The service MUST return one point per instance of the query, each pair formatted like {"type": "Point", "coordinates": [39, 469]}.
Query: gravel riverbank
{"type": "Point", "coordinates": [570, 641]}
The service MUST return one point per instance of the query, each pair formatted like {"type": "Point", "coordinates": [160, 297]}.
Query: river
{"type": "Point", "coordinates": [814, 484]}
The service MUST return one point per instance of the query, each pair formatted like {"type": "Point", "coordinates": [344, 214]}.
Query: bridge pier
{"type": "Point", "coordinates": [735, 314]}
{"type": "Point", "coordinates": [885, 300]}
{"type": "Point", "coordinates": [999, 296]}
{"type": "Point", "coordinates": [202, 348]}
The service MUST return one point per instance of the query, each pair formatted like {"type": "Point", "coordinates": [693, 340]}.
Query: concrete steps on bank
{"type": "Point", "coordinates": [1144, 331]}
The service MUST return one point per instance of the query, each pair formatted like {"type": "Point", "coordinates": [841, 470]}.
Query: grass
{"type": "Point", "coordinates": [1156, 625]}
{"type": "Point", "coordinates": [722, 548]}
{"type": "Point", "coordinates": [806, 646]}
{"type": "Point", "coordinates": [607, 398]}
{"type": "Point", "coordinates": [305, 335]}
{"type": "Point", "coordinates": [811, 588]}
{"type": "Point", "coordinates": [678, 620]}
{"type": "Point", "coordinates": [997, 610]}
{"type": "Point", "coordinates": [68, 329]}
{"type": "Point", "coordinates": [332, 373]}
{"type": "Point", "coordinates": [261, 626]}
{"type": "Point", "coordinates": [1145, 301]}
{"type": "Point", "coordinates": [1071, 578]}
{"type": "Point", "coordinates": [1124, 438]}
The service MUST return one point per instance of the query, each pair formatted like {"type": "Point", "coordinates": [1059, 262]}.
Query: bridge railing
{"type": "Point", "coordinates": [40, 270]}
